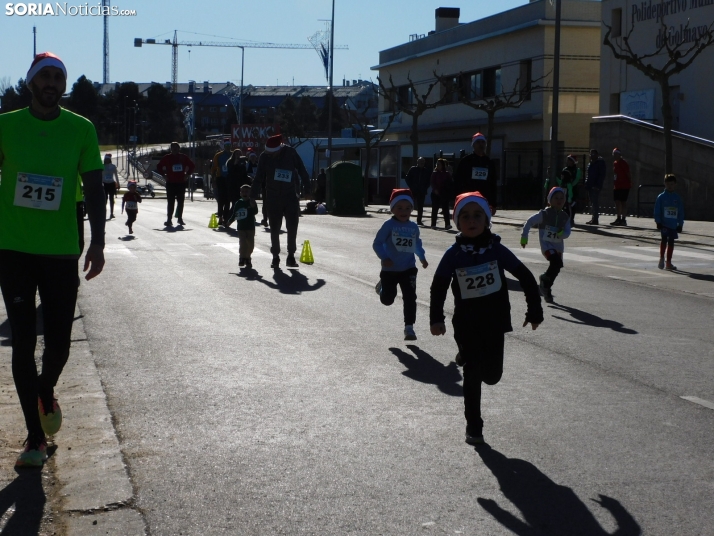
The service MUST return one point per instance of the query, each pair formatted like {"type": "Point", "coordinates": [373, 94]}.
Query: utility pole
{"type": "Point", "coordinates": [106, 7]}
{"type": "Point", "coordinates": [34, 42]}
{"type": "Point", "coordinates": [330, 90]}
{"type": "Point", "coordinates": [556, 96]}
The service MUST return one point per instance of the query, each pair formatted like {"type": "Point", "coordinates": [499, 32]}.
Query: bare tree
{"type": "Point", "coordinates": [371, 136]}
{"type": "Point", "coordinates": [418, 105]}
{"type": "Point", "coordinates": [677, 57]}
{"type": "Point", "coordinates": [5, 84]}
{"type": "Point", "coordinates": [491, 105]}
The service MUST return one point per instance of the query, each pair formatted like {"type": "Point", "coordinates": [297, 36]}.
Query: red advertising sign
{"type": "Point", "coordinates": [253, 136]}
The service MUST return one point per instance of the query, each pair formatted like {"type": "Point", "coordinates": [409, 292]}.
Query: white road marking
{"type": "Point", "coordinates": [234, 247]}
{"type": "Point", "coordinates": [680, 252]}
{"type": "Point", "coordinates": [617, 253]}
{"type": "Point", "coordinates": [699, 401]}
{"type": "Point", "coordinates": [119, 250]}
{"type": "Point", "coordinates": [180, 250]}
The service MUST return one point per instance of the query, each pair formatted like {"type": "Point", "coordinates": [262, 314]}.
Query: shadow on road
{"type": "Point", "coordinates": [26, 497]}
{"type": "Point", "coordinates": [589, 319]}
{"type": "Point", "coordinates": [292, 282]}
{"type": "Point", "coordinates": [423, 368]}
{"type": "Point", "coordinates": [547, 507]}
{"type": "Point", "coordinates": [698, 277]}
{"type": "Point", "coordinates": [173, 229]}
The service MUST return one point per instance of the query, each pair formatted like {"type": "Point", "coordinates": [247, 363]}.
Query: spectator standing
{"type": "Point", "coordinates": [321, 189]}
{"type": "Point", "coordinates": [623, 183]}
{"type": "Point", "coordinates": [594, 178]}
{"type": "Point", "coordinates": [477, 173]}
{"type": "Point", "coordinates": [418, 178]}
{"type": "Point", "coordinates": [441, 187]}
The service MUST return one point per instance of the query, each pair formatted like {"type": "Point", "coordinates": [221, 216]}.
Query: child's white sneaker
{"type": "Point", "coordinates": [409, 334]}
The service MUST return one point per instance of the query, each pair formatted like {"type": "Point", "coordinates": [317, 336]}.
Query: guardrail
{"type": "Point", "coordinates": [639, 202]}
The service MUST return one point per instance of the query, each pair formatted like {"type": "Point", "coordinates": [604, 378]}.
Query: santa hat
{"type": "Point", "coordinates": [274, 143]}
{"type": "Point", "coordinates": [470, 197]}
{"type": "Point", "coordinates": [401, 194]}
{"type": "Point", "coordinates": [573, 158]}
{"type": "Point", "coordinates": [45, 59]}
{"type": "Point", "coordinates": [616, 151]}
{"type": "Point", "coordinates": [227, 141]}
{"type": "Point", "coordinates": [477, 137]}
{"type": "Point", "coordinates": [554, 191]}
{"type": "Point", "coordinates": [108, 156]}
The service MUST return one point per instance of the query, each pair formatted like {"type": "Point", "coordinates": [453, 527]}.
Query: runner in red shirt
{"type": "Point", "coordinates": [176, 168]}
{"type": "Point", "coordinates": [623, 183]}
{"type": "Point", "coordinates": [130, 202]}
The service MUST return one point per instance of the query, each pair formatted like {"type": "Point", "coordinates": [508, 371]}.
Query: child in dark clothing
{"type": "Point", "coordinates": [474, 268]}
{"type": "Point", "coordinates": [396, 243]}
{"type": "Point", "coordinates": [244, 212]}
{"type": "Point", "coordinates": [131, 201]}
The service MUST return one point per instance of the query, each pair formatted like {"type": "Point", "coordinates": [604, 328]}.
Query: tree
{"type": "Point", "coordinates": [337, 117]}
{"type": "Point", "coordinates": [84, 99]}
{"type": "Point", "coordinates": [5, 84]}
{"type": "Point", "coordinates": [672, 56]}
{"type": "Point", "coordinates": [406, 99]}
{"type": "Point", "coordinates": [363, 129]}
{"type": "Point", "coordinates": [298, 119]}
{"type": "Point", "coordinates": [490, 105]}
{"type": "Point", "coordinates": [17, 97]}
{"type": "Point", "coordinates": [161, 115]}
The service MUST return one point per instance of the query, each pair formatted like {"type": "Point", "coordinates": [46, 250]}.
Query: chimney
{"type": "Point", "coordinates": [191, 86]}
{"type": "Point", "coordinates": [447, 17]}
{"type": "Point", "coordinates": [205, 86]}
{"type": "Point", "coordinates": [167, 85]}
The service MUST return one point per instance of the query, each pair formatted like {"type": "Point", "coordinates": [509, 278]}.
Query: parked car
{"type": "Point", "coordinates": [196, 181]}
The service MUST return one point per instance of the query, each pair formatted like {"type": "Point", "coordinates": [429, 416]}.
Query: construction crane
{"type": "Point", "coordinates": [175, 43]}
{"type": "Point", "coordinates": [106, 9]}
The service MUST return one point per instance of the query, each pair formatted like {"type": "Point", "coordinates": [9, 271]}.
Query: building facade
{"type": "Point", "coordinates": [505, 53]}
{"type": "Point", "coordinates": [627, 91]}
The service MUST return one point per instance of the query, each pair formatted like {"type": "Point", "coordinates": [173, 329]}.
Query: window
{"type": "Point", "coordinates": [475, 85]}
{"type": "Point", "coordinates": [616, 22]}
{"type": "Point", "coordinates": [405, 95]}
{"type": "Point", "coordinates": [492, 82]}
{"type": "Point", "coordinates": [223, 109]}
{"type": "Point", "coordinates": [524, 79]}
{"type": "Point", "coordinates": [213, 109]}
{"type": "Point", "coordinates": [449, 90]}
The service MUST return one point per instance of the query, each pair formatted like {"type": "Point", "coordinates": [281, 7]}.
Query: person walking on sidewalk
{"type": "Point", "coordinates": [669, 217]}
{"type": "Point", "coordinates": [623, 183]}
{"type": "Point", "coordinates": [110, 179]}
{"type": "Point", "coordinates": [39, 241]}
{"type": "Point", "coordinates": [280, 170]}
{"type": "Point", "coordinates": [594, 179]}
{"type": "Point", "coordinates": [418, 182]}
{"type": "Point", "coordinates": [441, 186]}
{"type": "Point", "coordinates": [176, 168]}
{"type": "Point", "coordinates": [477, 173]}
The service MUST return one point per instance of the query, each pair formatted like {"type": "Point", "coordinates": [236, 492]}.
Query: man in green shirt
{"type": "Point", "coordinates": [39, 238]}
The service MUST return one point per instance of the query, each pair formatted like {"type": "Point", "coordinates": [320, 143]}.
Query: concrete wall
{"type": "Point", "coordinates": [643, 148]}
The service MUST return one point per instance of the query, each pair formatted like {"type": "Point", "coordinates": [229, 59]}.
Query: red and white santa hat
{"type": "Point", "coordinates": [573, 158]}
{"type": "Point", "coordinates": [616, 151]}
{"type": "Point", "coordinates": [400, 194]}
{"type": "Point", "coordinates": [477, 137]}
{"type": "Point", "coordinates": [470, 197]}
{"type": "Point", "coordinates": [554, 191]}
{"type": "Point", "coordinates": [274, 143]}
{"type": "Point", "coordinates": [45, 59]}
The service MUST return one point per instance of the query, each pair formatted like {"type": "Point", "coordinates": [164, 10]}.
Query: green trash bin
{"type": "Point", "coordinates": [345, 189]}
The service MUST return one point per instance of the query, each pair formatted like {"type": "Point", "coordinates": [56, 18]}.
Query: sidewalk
{"type": "Point", "coordinates": [697, 233]}
{"type": "Point", "coordinates": [83, 488]}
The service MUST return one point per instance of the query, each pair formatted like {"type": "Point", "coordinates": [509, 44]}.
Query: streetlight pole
{"type": "Point", "coordinates": [329, 92]}
{"type": "Point", "coordinates": [556, 95]}
{"type": "Point", "coordinates": [240, 103]}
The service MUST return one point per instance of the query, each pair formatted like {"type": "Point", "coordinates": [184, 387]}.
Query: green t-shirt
{"type": "Point", "coordinates": [40, 163]}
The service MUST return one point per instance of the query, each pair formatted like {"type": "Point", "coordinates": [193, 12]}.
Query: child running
{"type": "Point", "coordinates": [244, 211]}
{"type": "Point", "coordinates": [554, 226]}
{"type": "Point", "coordinates": [131, 201]}
{"type": "Point", "coordinates": [669, 217]}
{"type": "Point", "coordinates": [474, 268]}
{"type": "Point", "coordinates": [396, 244]}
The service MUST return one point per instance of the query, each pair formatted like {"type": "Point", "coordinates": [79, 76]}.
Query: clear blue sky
{"type": "Point", "coordinates": [366, 26]}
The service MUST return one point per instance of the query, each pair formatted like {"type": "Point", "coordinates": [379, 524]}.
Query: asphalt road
{"type": "Point", "coordinates": [287, 402]}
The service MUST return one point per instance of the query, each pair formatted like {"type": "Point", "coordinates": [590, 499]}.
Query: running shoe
{"type": "Point", "coordinates": [623, 222]}
{"type": "Point", "coordinates": [459, 360]}
{"type": "Point", "coordinates": [660, 265]}
{"type": "Point", "coordinates": [545, 291]}
{"type": "Point", "coordinates": [131, 231]}
{"type": "Point", "coordinates": [448, 227]}
{"type": "Point", "coordinates": [34, 454]}
{"type": "Point", "coordinates": [248, 263]}
{"type": "Point", "coordinates": [181, 222]}
{"type": "Point", "coordinates": [378, 287]}
{"type": "Point", "coordinates": [474, 437]}
{"type": "Point", "coordinates": [264, 222]}
{"type": "Point", "coordinates": [290, 262]}
{"type": "Point", "coordinates": [168, 223]}
{"type": "Point", "coordinates": [618, 221]}
{"type": "Point", "coordinates": [409, 334]}
{"type": "Point", "coordinates": [670, 267]}
{"type": "Point", "coordinates": [433, 227]}
{"type": "Point", "coordinates": [51, 421]}
{"type": "Point", "coordinates": [241, 262]}
{"type": "Point", "coordinates": [276, 262]}
{"type": "Point", "coordinates": [111, 216]}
